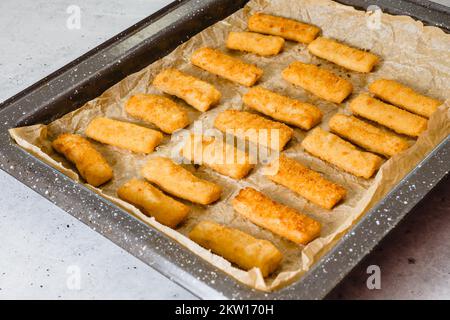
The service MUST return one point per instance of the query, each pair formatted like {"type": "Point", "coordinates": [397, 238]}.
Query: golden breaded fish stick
{"type": "Point", "coordinates": [197, 93]}
{"type": "Point", "coordinates": [255, 43]}
{"type": "Point", "coordinates": [321, 82]}
{"type": "Point", "coordinates": [284, 109]}
{"type": "Point", "coordinates": [223, 158]}
{"type": "Point", "coordinates": [124, 135]}
{"type": "Point", "coordinates": [226, 66]}
{"type": "Point", "coordinates": [153, 202]}
{"type": "Point", "coordinates": [237, 247]}
{"type": "Point", "coordinates": [368, 136]}
{"type": "Point", "coordinates": [305, 182]}
{"type": "Point", "coordinates": [343, 55]}
{"type": "Point", "coordinates": [256, 129]}
{"type": "Point", "coordinates": [286, 28]}
{"type": "Point", "coordinates": [399, 120]}
{"type": "Point", "coordinates": [341, 153]}
{"type": "Point", "coordinates": [281, 220]}
{"type": "Point", "coordinates": [404, 97]}
{"type": "Point", "coordinates": [89, 162]}
{"type": "Point", "coordinates": [158, 110]}
{"type": "Point", "coordinates": [177, 181]}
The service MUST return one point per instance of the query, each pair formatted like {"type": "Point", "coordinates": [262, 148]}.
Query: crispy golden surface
{"type": "Point", "coordinates": [404, 97]}
{"type": "Point", "coordinates": [153, 202]}
{"type": "Point", "coordinates": [279, 219]}
{"type": "Point", "coordinates": [341, 153]}
{"type": "Point", "coordinates": [124, 135]}
{"type": "Point", "coordinates": [368, 136]}
{"type": "Point", "coordinates": [226, 66]}
{"type": "Point", "coordinates": [223, 158]}
{"type": "Point", "coordinates": [255, 43]}
{"type": "Point", "coordinates": [306, 182]}
{"type": "Point", "coordinates": [394, 118]}
{"type": "Point", "coordinates": [89, 162]}
{"type": "Point", "coordinates": [177, 181]}
{"type": "Point", "coordinates": [343, 55]}
{"type": "Point", "coordinates": [238, 247]}
{"type": "Point", "coordinates": [249, 126]}
{"type": "Point", "coordinates": [282, 108]}
{"type": "Point", "coordinates": [197, 93]}
{"type": "Point", "coordinates": [323, 83]}
{"type": "Point", "coordinates": [286, 28]}
{"type": "Point", "coordinates": [158, 110]}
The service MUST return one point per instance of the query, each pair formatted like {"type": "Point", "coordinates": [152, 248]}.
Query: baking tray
{"type": "Point", "coordinates": [154, 37]}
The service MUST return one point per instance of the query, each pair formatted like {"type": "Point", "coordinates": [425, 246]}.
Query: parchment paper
{"type": "Point", "coordinates": [413, 54]}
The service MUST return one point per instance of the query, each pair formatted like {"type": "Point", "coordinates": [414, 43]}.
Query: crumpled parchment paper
{"type": "Point", "coordinates": [411, 53]}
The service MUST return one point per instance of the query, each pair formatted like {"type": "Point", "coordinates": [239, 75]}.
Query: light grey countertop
{"type": "Point", "coordinates": [43, 249]}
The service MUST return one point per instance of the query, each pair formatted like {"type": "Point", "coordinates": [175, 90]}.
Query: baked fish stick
{"type": "Point", "coordinates": [197, 93]}
{"type": "Point", "coordinates": [158, 110]}
{"type": "Point", "coordinates": [367, 136]}
{"type": "Point", "coordinates": [286, 28]}
{"type": "Point", "coordinates": [387, 115]}
{"type": "Point", "coordinates": [124, 135]}
{"type": "Point", "coordinates": [237, 247]}
{"type": "Point", "coordinates": [254, 128]}
{"type": "Point", "coordinates": [321, 82]}
{"type": "Point", "coordinates": [255, 43]}
{"type": "Point", "coordinates": [305, 182]}
{"type": "Point", "coordinates": [343, 55]}
{"type": "Point", "coordinates": [281, 220]}
{"type": "Point", "coordinates": [221, 157]}
{"type": "Point", "coordinates": [153, 202]}
{"type": "Point", "coordinates": [91, 165]}
{"type": "Point", "coordinates": [404, 97]}
{"type": "Point", "coordinates": [284, 109]}
{"type": "Point", "coordinates": [226, 66]}
{"type": "Point", "coordinates": [176, 180]}
{"type": "Point", "coordinates": [341, 153]}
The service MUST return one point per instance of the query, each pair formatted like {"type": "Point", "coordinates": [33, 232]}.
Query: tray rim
{"type": "Point", "coordinates": [185, 279]}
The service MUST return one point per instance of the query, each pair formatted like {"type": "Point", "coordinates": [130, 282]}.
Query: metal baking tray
{"type": "Point", "coordinates": [88, 76]}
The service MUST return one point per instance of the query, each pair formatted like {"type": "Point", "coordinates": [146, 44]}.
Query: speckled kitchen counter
{"type": "Point", "coordinates": [46, 253]}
